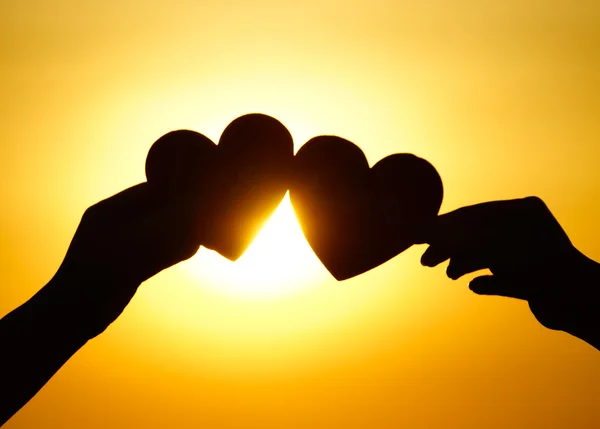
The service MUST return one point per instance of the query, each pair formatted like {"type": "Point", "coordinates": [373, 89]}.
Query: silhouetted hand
{"type": "Point", "coordinates": [119, 243]}
{"type": "Point", "coordinates": [530, 258]}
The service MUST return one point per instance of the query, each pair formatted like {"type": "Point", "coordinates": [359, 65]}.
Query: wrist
{"type": "Point", "coordinates": [55, 316]}
{"type": "Point", "coordinates": [89, 298]}
{"type": "Point", "coordinates": [41, 324]}
{"type": "Point", "coordinates": [586, 319]}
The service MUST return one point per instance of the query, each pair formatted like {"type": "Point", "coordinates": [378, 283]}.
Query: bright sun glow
{"type": "Point", "coordinates": [278, 263]}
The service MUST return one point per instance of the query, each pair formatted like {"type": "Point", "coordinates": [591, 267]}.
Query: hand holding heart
{"type": "Point", "coordinates": [354, 217]}
{"type": "Point", "coordinates": [239, 182]}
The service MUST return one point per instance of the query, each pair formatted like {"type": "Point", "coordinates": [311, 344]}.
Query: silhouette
{"type": "Point", "coordinates": [356, 218]}
{"type": "Point", "coordinates": [240, 182]}
{"type": "Point", "coordinates": [196, 193]}
{"type": "Point", "coordinates": [120, 242]}
{"type": "Point", "coordinates": [530, 258]}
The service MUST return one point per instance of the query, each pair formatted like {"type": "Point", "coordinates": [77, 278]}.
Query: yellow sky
{"type": "Point", "coordinates": [502, 97]}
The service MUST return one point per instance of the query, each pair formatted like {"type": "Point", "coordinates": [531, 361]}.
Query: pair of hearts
{"type": "Point", "coordinates": [354, 217]}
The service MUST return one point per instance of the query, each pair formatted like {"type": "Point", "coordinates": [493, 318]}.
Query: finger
{"type": "Point", "coordinates": [494, 285]}
{"type": "Point", "coordinates": [463, 264]}
{"type": "Point", "coordinates": [468, 226]}
{"type": "Point", "coordinates": [174, 229]}
{"type": "Point", "coordinates": [470, 231]}
{"type": "Point", "coordinates": [130, 201]}
{"type": "Point", "coordinates": [144, 198]}
{"type": "Point", "coordinates": [170, 239]}
{"type": "Point", "coordinates": [451, 234]}
{"type": "Point", "coordinates": [434, 255]}
{"type": "Point", "coordinates": [186, 232]}
{"type": "Point", "coordinates": [162, 229]}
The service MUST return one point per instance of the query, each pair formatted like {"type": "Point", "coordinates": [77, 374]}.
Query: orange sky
{"type": "Point", "coordinates": [502, 97]}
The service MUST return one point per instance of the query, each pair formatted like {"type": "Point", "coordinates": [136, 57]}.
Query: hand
{"type": "Point", "coordinates": [121, 242]}
{"type": "Point", "coordinates": [530, 258]}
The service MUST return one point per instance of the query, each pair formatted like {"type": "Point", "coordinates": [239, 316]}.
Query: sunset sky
{"type": "Point", "coordinates": [502, 97]}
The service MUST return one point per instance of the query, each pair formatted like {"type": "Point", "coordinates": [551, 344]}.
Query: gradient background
{"type": "Point", "coordinates": [502, 97]}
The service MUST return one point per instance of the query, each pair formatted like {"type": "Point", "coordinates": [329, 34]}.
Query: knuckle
{"type": "Point", "coordinates": [535, 202]}
{"type": "Point", "coordinates": [90, 213]}
{"type": "Point", "coordinates": [189, 251]}
{"type": "Point", "coordinates": [545, 314]}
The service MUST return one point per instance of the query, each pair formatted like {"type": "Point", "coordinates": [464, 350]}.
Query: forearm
{"type": "Point", "coordinates": [37, 338]}
{"type": "Point", "coordinates": [586, 320]}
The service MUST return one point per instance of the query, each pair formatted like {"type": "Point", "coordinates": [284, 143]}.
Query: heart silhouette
{"type": "Point", "coordinates": [355, 217]}
{"type": "Point", "coordinates": [239, 182]}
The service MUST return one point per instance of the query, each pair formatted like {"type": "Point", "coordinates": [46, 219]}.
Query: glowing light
{"type": "Point", "coordinates": [279, 262]}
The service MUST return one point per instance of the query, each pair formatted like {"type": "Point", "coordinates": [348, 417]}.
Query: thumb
{"type": "Point", "coordinates": [494, 285]}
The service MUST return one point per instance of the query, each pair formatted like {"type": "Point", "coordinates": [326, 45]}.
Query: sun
{"type": "Point", "coordinates": [278, 263]}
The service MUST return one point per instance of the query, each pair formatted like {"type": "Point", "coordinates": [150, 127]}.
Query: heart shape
{"type": "Point", "coordinates": [239, 182]}
{"type": "Point", "coordinates": [355, 217]}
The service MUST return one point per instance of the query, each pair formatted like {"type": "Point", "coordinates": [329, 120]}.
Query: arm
{"type": "Point", "coordinates": [530, 257]}
{"type": "Point", "coordinates": [120, 242]}
{"type": "Point", "coordinates": [37, 339]}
